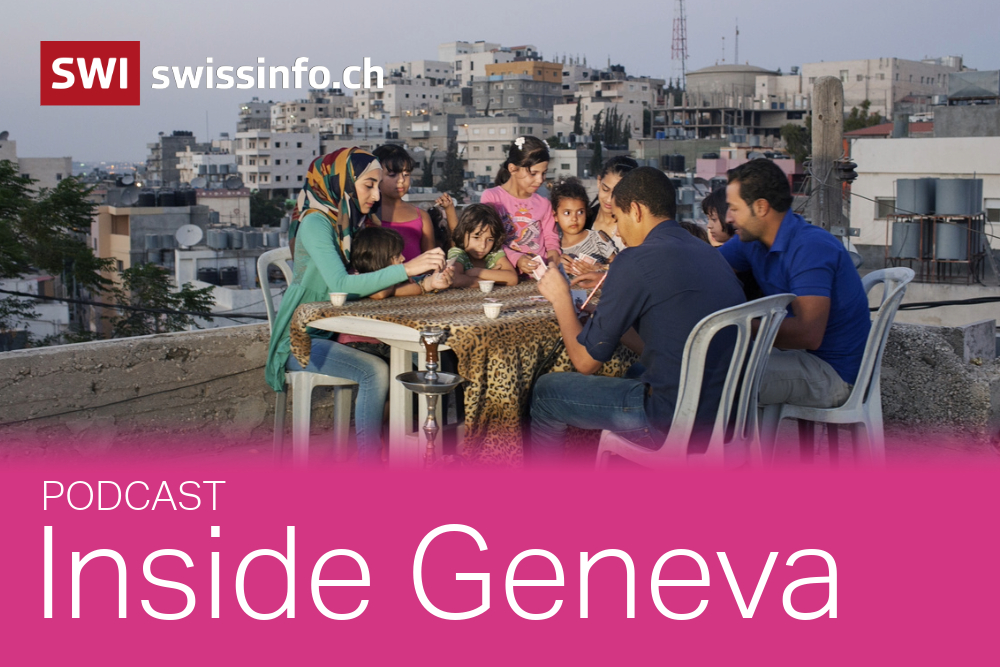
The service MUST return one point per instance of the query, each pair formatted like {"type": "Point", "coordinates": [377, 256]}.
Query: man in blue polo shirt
{"type": "Point", "coordinates": [656, 290]}
{"type": "Point", "coordinates": [820, 344]}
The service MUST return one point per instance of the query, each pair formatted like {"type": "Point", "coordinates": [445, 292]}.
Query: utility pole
{"type": "Point", "coordinates": [678, 46]}
{"type": "Point", "coordinates": [827, 145]}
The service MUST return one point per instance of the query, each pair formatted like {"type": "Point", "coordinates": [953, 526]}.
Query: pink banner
{"type": "Point", "coordinates": [903, 566]}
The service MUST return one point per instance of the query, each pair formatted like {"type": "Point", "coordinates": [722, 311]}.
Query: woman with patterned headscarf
{"type": "Point", "coordinates": [339, 192]}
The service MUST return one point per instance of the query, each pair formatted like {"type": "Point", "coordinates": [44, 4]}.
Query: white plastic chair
{"type": "Point", "coordinates": [301, 383]}
{"type": "Point", "coordinates": [863, 408]}
{"type": "Point", "coordinates": [750, 353]}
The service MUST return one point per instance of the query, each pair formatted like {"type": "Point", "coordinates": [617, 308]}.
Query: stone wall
{"type": "Point", "coordinates": [89, 397]}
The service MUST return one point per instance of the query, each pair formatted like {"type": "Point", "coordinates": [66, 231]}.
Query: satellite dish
{"type": "Point", "coordinates": [199, 182]}
{"type": "Point", "coordinates": [236, 211]}
{"type": "Point", "coordinates": [128, 179]}
{"type": "Point", "coordinates": [130, 196]}
{"type": "Point", "coordinates": [234, 183]}
{"type": "Point", "coordinates": [4, 135]}
{"type": "Point", "coordinates": [188, 235]}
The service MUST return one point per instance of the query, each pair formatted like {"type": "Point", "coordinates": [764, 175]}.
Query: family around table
{"type": "Point", "coordinates": [352, 232]}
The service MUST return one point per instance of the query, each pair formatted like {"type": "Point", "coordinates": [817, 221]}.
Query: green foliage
{"type": "Point", "coordinates": [859, 119]}
{"type": "Point", "coordinates": [578, 120]}
{"type": "Point", "coordinates": [148, 286]}
{"type": "Point", "coordinates": [596, 160]}
{"type": "Point", "coordinates": [798, 141]}
{"type": "Point", "coordinates": [427, 178]}
{"type": "Point", "coordinates": [264, 212]}
{"type": "Point", "coordinates": [647, 122]}
{"type": "Point", "coordinates": [453, 179]}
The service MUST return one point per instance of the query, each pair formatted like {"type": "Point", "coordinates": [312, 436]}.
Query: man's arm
{"type": "Point", "coordinates": [805, 329]}
{"type": "Point", "coordinates": [555, 288]}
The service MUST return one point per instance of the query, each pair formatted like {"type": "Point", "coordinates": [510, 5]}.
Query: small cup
{"type": "Point", "coordinates": [338, 298]}
{"type": "Point", "coordinates": [492, 310]}
{"type": "Point", "coordinates": [486, 286]}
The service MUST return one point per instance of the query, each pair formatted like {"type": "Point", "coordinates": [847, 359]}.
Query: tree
{"type": "Point", "coordinates": [798, 141]}
{"type": "Point", "coordinates": [427, 177]}
{"type": "Point", "coordinates": [264, 212]}
{"type": "Point", "coordinates": [44, 231]}
{"type": "Point", "coordinates": [453, 178]}
{"type": "Point", "coordinates": [148, 286]}
{"type": "Point", "coordinates": [597, 159]}
{"type": "Point", "coordinates": [578, 120]}
{"type": "Point", "coordinates": [647, 122]}
{"type": "Point", "coordinates": [859, 119]}
{"type": "Point", "coordinates": [597, 131]}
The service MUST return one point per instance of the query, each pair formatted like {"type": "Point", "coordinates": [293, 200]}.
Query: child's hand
{"type": "Point", "coordinates": [445, 201]}
{"type": "Point", "coordinates": [432, 260]}
{"type": "Point", "coordinates": [442, 280]}
{"type": "Point", "coordinates": [552, 256]}
{"type": "Point", "coordinates": [526, 264]}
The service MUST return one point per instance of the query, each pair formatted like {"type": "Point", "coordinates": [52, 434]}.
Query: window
{"type": "Point", "coordinates": [475, 149]}
{"type": "Point", "coordinates": [120, 265]}
{"type": "Point", "coordinates": [558, 119]}
{"type": "Point", "coordinates": [298, 162]}
{"type": "Point", "coordinates": [440, 165]}
{"type": "Point", "coordinates": [884, 207]}
{"type": "Point", "coordinates": [490, 149]}
{"type": "Point", "coordinates": [298, 144]}
{"type": "Point", "coordinates": [843, 75]}
{"type": "Point", "coordinates": [252, 161]}
{"type": "Point", "coordinates": [302, 108]}
{"type": "Point", "coordinates": [277, 144]}
{"type": "Point", "coordinates": [510, 99]}
{"type": "Point", "coordinates": [407, 96]}
{"type": "Point", "coordinates": [861, 77]}
{"type": "Point", "coordinates": [277, 179]}
{"type": "Point", "coordinates": [277, 162]}
{"type": "Point", "coordinates": [564, 166]}
{"type": "Point", "coordinates": [475, 131]}
{"type": "Point", "coordinates": [880, 76]}
{"type": "Point", "coordinates": [489, 168]}
{"type": "Point", "coordinates": [300, 178]}
{"type": "Point", "coordinates": [503, 130]}
{"type": "Point", "coordinates": [493, 130]}
{"type": "Point", "coordinates": [812, 80]}
{"type": "Point", "coordinates": [992, 209]}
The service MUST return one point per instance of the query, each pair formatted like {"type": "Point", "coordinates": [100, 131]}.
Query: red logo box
{"type": "Point", "coordinates": [90, 73]}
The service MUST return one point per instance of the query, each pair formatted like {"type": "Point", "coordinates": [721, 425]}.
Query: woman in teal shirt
{"type": "Point", "coordinates": [339, 192]}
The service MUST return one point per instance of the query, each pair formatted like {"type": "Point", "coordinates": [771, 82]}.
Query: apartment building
{"type": "Point", "coordinates": [294, 116]}
{"type": "Point", "coordinates": [275, 162]}
{"type": "Point", "coordinates": [484, 142]}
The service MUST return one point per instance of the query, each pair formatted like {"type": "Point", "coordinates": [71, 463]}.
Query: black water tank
{"type": "Point", "coordinates": [229, 275]}
{"type": "Point", "coordinates": [166, 198]}
{"type": "Point", "coordinates": [209, 275]}
{"type": "Point", "coordinates": [677, 162]}
{"type": "Point", "coordinates": [190, 197]}
{"type": "Point", "coordinates": [147, 198]}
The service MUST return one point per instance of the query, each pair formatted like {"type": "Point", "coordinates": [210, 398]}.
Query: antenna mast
{"type": "Point", "coordinates": [736, 57]}
{"type": "Point", "coordinates": [679, 47]}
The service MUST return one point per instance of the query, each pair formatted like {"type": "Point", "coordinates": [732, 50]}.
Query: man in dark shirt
{"type": "Point", "coordinates": [820, 344]}
{"type": "Point", "coordinates": [656, 290]}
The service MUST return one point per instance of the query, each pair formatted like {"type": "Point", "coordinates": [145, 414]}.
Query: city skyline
{"type": "Point", "coordinates": [773, 35]}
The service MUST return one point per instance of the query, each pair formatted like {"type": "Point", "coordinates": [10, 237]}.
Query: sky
{"type": "Point", "coordinates": [636, 34]}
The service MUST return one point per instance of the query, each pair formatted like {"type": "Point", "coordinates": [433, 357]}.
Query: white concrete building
{"type": "Point", "coordinates": [214, 166]}
{"type": "Point", "coordinates": [439, 71]}
{"type": "Point", "coordinates": [884, 81]}
{"type": "Point", "coordinates": [471, 58]}
{"type": "Point", "coordinates": [881, 162]}
{"type": "Point", "coordinates": [275, 162]}
{"type": "Point", "coordinates": [294, 116]}
{"type": "Point", "coordinates": [53, 316]}
{"type": "Point", "coordinates": [48, 171]}
{"type": "Point", "coordinates": [400, 96]}
{"type": "Point", "coordinates": [484, 142]}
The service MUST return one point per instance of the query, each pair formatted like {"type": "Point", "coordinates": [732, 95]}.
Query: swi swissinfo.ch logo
{"type": "Point", "coordinates": [90, 73]}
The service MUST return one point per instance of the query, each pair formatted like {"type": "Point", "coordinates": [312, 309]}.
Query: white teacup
{"type": "Point", "coordinates": [486, 286]}
{"type": "Point", "coordinates": [492, 310]}
{"type": "Point", "coordinates": [338, 298]}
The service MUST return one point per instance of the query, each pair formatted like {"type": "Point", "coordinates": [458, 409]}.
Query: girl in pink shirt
{"type": "Point", "coordinates": [405, 218]}
{"type": "Point", "coordinates": [527, 216]}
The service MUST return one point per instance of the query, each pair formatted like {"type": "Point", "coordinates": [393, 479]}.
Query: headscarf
{"type": "Point", "coordinates": [329, 190]}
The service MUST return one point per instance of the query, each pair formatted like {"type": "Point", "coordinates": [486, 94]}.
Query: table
{"type": "Point", "coordinates": [499, 358]}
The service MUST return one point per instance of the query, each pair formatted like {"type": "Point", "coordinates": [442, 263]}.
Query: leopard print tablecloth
{"type": "Point", "coordinates": [499, 358]}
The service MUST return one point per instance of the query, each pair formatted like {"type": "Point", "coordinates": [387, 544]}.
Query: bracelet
{"type": "Point", "coordinates": [420, 284]}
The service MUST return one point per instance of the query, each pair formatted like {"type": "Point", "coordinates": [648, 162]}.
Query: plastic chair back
{"type": "Point", "coordinates": [279, 257]}
{"type": "Point", "coordinates": [895, 281]}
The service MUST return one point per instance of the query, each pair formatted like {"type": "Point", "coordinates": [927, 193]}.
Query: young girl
{"type": "Point", "coordinates": [582, 249]}
{"type": "Point", "coordinates": [716, 207]}
{"type": "Point", "coordinates": [478, 253]}
{"type": "Point", "coordinates": [530, 229]}
{"type": "Point", "coordinates": [414, 224]}
{"type": "Point", "coordinates": [612, 172]}
{"type": "Point", "coordinates": [374, 248]}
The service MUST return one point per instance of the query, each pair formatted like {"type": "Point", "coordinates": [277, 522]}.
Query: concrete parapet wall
{"type": "Point", "coordinates": [88, 398]}
{"type": "Point", "coordinates": [121, 392]}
